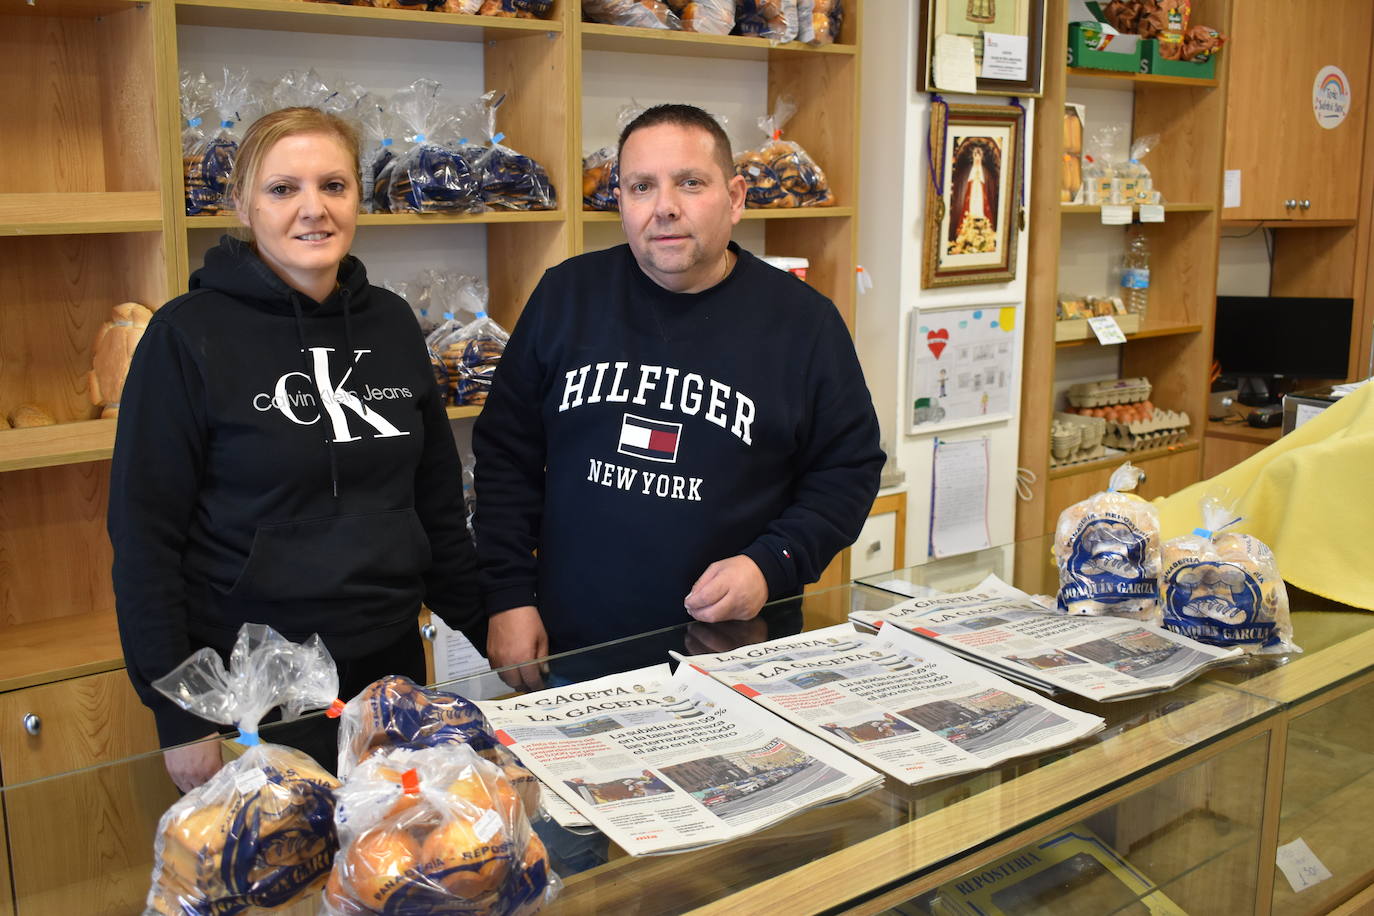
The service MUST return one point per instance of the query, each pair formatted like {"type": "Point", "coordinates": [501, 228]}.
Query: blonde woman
{"type": "Point", "coordinates": [282, 454]}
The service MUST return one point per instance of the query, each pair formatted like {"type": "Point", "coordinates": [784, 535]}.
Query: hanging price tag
{"type": "Point", "coordinates": [1152, 213]}
{"type": "Point", "coordinates": [1107, 330]}
{"type": "Point", "coordinates": [1116, 215]}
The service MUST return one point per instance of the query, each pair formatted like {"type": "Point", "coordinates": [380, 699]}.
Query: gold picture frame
{"type": "Point", "coordinates": [974, 193]}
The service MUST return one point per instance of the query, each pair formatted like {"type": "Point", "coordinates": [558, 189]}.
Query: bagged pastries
{"type": "Point", "coordinates": [113, 350]}
{"type": "Point", "coordinates": [709, 17]}
{"type": "Point", "coordinates": [260, 832]}
{"type": "Point", "coordinates": [208, 154]}
{"type": "Point", "coordinates": [1107, 548]}
{"type": "Point", "coordinates": [600, 178]}
{"type": "Point", "coordinates": [775, 20]}
{"type": "Point", "coordinates": [1224, 589]}
{"type": "Point", "coordinates": [429, 177]}
{"type": "Point", "coordinates": [435, 830]}
{"type": "Point", "coordinates": [509, 180]}
{"type": "Point", "coordinates": [780, 174]}
{"type": "Point", "coordinates": [819, 21]}
{"type": "Point", "coordinates": [642, 14]}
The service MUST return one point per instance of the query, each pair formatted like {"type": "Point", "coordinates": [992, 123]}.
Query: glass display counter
{"type": "Point", "coordinates": [1191, 792]}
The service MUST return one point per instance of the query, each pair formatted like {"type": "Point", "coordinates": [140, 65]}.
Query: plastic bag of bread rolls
{"type": "Point", "coordinates": [260, 832]}
{"type": "Point", "coordinates": [1107, 547]}
{"type": "Point", "coordinates": [113, 350]}
{"type": "Point", "coordinates": [210, 158]}
{"type": "Point", "coordinates": [780, 174]}
{"type": "Point", "coordinates": [600, 178]}
{"type": "Point", "coordinates": [775, 20]}
{"type": "Point", "coordinates": [429, 176]}
{"type": "Point", "coordinates": [509, 180]}
{"type": "Point", "coordinates": [819, 21]}
{"type": "Point", "coordinates": [195, 107]}
{"type": "Point", "coordinates": [472, 357]}
{"type": "Point", "coordinates": [516, 9]}
{"type": "Point", "coordinates": [396, 712]}
{"type": "Point", "coordinates": [435, 830]}
{"type": "Point", "coordinates": [640, 14]}
{"type": "Point", "coordinates": [708, 17]}
{"type": "Point", "coordinates": [1224, 589]}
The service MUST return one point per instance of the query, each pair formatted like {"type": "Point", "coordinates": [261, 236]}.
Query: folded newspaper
{"type": "Point", "coordinates": [1102, 658]}
{"type": "Point", "coordinates": [674, 765]}
{"type": "Point", "coordinates": [896, 701]}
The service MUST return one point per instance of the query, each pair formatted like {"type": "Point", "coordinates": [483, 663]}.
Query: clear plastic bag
{"type": "Point", "coordinates": [435, 830]}
{"type": "Point", "coordinates": [775, 20]}
{"type": "Point", "coordinates": [1104, 152]}
{"type": "Point", "coordinates": [1136, 182]}
{"type": "Point", "coordinates": [207, 164]}
{"type": "Point", "coordinates": [260, 832]}
{"type": "Point", "coordinates": [195, 104]}
{"type": "Point", "coordinates": [461, 299]}
{"type": "Point", "coordinates": [1224, 589]}
{"type": "Point", "coordinates": [428, 177]}
{"type": "Point", "coordinates": [707, 17]}
{"type": "Point", "coordinates": [509, 180]}
{"type": "Point", "coordinates": [600, 178]}
{"type": "Point", "coordinates": [378, 152]}
{"type": "Point", "coordinates": [819, 21]}
{"type": "Point", "coordinates": [517, 9]}
{"type": "Point", "coordinates": [395, 712]}
{"type": "Point", "coordinates": [1107, 547]}
{"type": "Point", "coordinates": [472, 356]}
{"type": "Point", "coordinates": [641, 14]}
{"type": "Point", "coordinates": [780, 174]}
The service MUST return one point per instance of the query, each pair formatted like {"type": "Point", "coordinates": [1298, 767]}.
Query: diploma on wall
{"type": "Point", "coordinates": [959, 498]}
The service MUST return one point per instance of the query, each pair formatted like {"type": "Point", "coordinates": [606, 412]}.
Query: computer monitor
{"type": "Point", "coordinates": [1293, 337]}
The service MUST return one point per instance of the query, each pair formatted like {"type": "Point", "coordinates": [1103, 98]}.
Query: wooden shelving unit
{"type": "Point", "coordinates": [611, 216]}
{"type": "Point", "coordinates": [464, 413]}
{"type": "Point", "coordinates": [1173, 347]}
{"type": "Point", "coordinates": [67, 213]}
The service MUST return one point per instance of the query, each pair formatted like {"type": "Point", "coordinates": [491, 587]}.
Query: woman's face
{"type": "Point", "coordinates": [977, 156]}
{"type": "Point", "coordinates": [303, 210]}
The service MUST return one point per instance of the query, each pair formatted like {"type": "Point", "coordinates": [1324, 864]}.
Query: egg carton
{"type": "Point", "coordinates": [1109, 391]}
{"type": "Point", "coordinates": [1086, 432]}
{"type": "Point", "coordinates": [1166, 427]}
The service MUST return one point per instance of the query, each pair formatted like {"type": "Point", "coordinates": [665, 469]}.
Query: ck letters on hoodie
{"type": "Point", "coordinates": [293, 397]}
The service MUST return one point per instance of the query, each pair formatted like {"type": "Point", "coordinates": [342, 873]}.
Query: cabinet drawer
{"type": "Point", "coordinates": [82, 721]}
{"type": "Point", "coordinates": [875, 550]}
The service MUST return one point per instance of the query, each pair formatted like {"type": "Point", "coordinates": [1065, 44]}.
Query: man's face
{"type": "Point", "coordinates": [677, 207]}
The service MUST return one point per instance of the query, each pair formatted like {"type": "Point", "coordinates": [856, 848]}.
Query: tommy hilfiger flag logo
{"type": "Point", "coordinates": [653, 440]}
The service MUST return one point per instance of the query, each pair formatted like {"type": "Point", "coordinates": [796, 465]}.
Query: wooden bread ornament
{"type": "Point", "coordinates": [30, 416]}
{"type": "Point", "coordinates": [114, 349]}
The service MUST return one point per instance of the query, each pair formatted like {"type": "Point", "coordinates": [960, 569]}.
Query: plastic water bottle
{"type": "Point", "coordinates": [1135, 274]}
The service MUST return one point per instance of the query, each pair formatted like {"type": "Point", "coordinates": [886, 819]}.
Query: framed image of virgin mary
{"type": "Point", "coordinates": [973, 194]}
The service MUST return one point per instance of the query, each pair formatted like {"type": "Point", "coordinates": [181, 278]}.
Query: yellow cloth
{"type": "Point", "coordinates": [1309, 496]}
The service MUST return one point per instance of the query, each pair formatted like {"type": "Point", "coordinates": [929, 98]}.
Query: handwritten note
{"type": "Point", "coordinates": [959, 498]}
{"type": "Point", "coordinates": [1116, 214]}
{"type": "Point", "coordinates": [1301, 866]}
{"type": "Point", "coordinates": [1231, 189]}
{"type": "Point", "coordinates": [1107, 330]}
{"type": "Point", "coordinates": [954, 65]}
{"type": "Point", "coordinates": [1152, 213]}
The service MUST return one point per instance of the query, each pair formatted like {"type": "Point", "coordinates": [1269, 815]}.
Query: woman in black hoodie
{"type": "Point", "coordinates": [283, 455]}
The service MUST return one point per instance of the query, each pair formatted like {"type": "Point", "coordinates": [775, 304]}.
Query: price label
{"type": "Point", "coordinates": [1116, 214]}
{"type": "Point", "coordinates": [1107, 330]}
{"type": "Point", "coordinates": [487, 825]}
{"type": "Point", "coordinates": [1300, 865]}
{"type": "Point", "coordinates": [250, 781]}
{"type": "Point", "coordinates": [1152, 213]}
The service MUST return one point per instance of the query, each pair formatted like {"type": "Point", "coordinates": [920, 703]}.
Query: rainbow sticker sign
{"type": "Point", "coordinates": [1331, 97]}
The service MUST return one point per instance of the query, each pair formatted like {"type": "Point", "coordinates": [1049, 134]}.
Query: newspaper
{"type": "Point", "coordinates": [501, 713]}
{"type": "Point", "coordinates": [897, 702]}
{"type": "Point", "coordinates": [1102, 658]}
{"type": "Point", "coordinates": [677, 765]}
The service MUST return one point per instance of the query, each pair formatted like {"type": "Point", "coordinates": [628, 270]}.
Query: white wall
{"type": "Point", "coordinates": [892, 198]}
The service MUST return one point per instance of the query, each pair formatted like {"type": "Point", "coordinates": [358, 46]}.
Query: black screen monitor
{"type": "Point", "coordinates": [1290, 336]}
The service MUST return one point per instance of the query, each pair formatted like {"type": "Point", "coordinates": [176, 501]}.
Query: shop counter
{"type": "Point", "coordinates": [1180, 804]}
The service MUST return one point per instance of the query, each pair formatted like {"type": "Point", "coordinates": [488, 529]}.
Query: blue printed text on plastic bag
{"type": "Point", "coordinates": [1108, 564]}
{"type": "Point", "coordinates": [1216, 603]}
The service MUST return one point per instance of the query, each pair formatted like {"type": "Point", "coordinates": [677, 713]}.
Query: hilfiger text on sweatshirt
{"type": "Point", "coordinates": [665, 387]}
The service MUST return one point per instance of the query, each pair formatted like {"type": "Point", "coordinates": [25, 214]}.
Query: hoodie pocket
{"type": "Point", "coordinates": [345, 557]}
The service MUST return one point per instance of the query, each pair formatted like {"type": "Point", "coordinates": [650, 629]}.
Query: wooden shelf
{"type": "Point", "coordinates": [61, 213]}
{"type": "Point", "coordinates": [1085, 74]}
{"type": "Point", "coordinates": [1144, 454]}
{"type": "Point", "coordinates": [460, 413]}
{"type": "Point", "coordinates": [1149, 329]}
{"type": "Point", "coordinates": [59, 647]}
{"type": "Point", "coordinates": [612, 216]}
{"type": "Point", "coordinates": [1243, 432]}
{"type": "Point", "coordinates": [71, 9]}
{"type": "Point", "coordinates": [598, 37]}
{"type": "Point", "coordinates": [335, 19]}
{"type": "Point", "coordinates": [366, 220]}
{"type": "Point", "coordinates": [1168, 208]}
{"type": "Point", "coordinates": [49, 446]}
{"type": "Point", "coordinates": [1286, 224]}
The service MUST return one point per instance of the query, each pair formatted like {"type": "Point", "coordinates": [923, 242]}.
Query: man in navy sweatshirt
{"type": "Point", "coordinates": [676, 430]}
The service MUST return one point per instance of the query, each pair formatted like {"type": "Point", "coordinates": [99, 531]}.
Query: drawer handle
{"type": "Point", "coordinates": [32, 724]}
{"type": "Point", "coordinates": [1306, 205]}
{"type": "Point", "coordinates": [1290, 204]}
{"type": "Point", "coordinates": [428, 631]}
{"type": "Point", "coordinates": [875, 547]}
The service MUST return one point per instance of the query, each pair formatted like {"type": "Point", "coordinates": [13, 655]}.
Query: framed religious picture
{"type": "Point", "coordinates": [986, 47]}
{"type": "Point", "coordinates": [974, 193]}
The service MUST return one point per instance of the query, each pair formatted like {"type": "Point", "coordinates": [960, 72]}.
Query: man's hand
{"type": "Point", "coordinates": [732, 589]}
{"type": "Point", "coordinates": [193, 764]}
{"type": "Point", "coordinates": [514, 637]}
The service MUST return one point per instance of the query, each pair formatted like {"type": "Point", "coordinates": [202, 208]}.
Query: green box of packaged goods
{"type": "Point", "coordinates": [1083, 53]}
{"type": "Point", "coordinates": [1151, 61]}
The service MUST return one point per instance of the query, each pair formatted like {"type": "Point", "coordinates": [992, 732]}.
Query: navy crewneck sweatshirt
{"type": "Point", "coordinates": [634, 436]}
{"type": "Point", "coordinates": [262, 475]}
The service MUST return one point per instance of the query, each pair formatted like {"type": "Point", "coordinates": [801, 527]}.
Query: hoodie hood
{"type": "Point", "coordinates": [232, 267]}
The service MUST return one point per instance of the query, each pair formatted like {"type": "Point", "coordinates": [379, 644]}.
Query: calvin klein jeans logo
{"type": "Point", "coordinates": [335, 399]}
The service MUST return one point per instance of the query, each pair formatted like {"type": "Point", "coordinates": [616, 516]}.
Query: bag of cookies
{"type": "Point", "coordinates": [780, 174]}
{"type": "Point", "coordinates": [260, 832]}
{"type": "Point", "coordinates": [435, 830]}
{"type": "Point", "coordinates": [516, 9]}
{"type": "Point", "coordinates": [600, 178]}
{"type": "Point", "coordinates": [472, 356]}
{"type": "Point", "coordinates": [195, 105]}
{"type": "Point", "coordinates": [509, 180]}
{"type": "Point", "coordinates": [640, 14]}
{"type": "Point", "coordinates": [429, 176]}
{"type": "Point", "coordinates": [708, 17]}
{"type": "Point", "coordinates": [1107, 547]}
{"type": "Point", "coordinates": [819, 21]}
{"type": "Point", "coordinates": [1224, 589]}
{"type": "Point", "coordinates": [378, 153]}
{"type": "Point", "coordinates": [209, 161]}
{"type": "Point", "coordinates": [775, 20]}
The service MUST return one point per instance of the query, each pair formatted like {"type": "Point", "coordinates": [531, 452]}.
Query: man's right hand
{"type": "Point", "coordinates": [193, 764]}
{"type": "Point", "coordinates": [514, 637]}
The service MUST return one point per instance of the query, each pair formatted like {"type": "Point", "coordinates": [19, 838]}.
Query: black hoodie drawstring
{"type": "Point", "coordinates": [310, 374]}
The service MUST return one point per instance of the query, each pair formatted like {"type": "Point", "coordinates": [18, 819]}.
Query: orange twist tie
{"type": "Point", "coordinates": [777, 134]}
{"type": "Point", "coordinates": [410, 782]}
{"type": "Point", "coordinates": [335, 709]}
